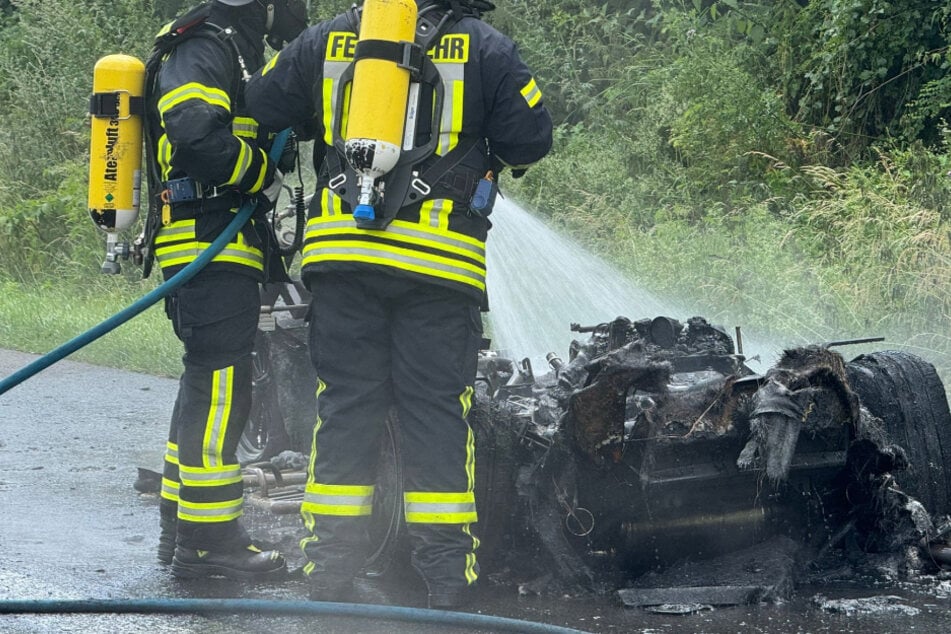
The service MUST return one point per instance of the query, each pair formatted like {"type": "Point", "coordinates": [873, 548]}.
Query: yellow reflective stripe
{"type": "Point", "coordinates": [458, 93]}
{"type": "Point", "coordinates": [402, 231]}
{"type": "Point", "coordinates": [176, 232]}
{"type": "Point", "coordinates": [467, 529]}
{"type": "Point", "coordinates": [176, 245]}
{"type": "Point", "coordinates": [270, 64]}
{"type": "Point", "coordinates": [466, 399]}
{"type": "Point", "coordinates": [532, 93]}
{"type": "Point", "coordinates": [169, 490]}
{"type": "Point", "coordinates": [329, 99]}
{"type": "Point", "coordinates": [241, 164]}
{"type": "Point", "coordinates": [244, 127]}
{"type": "Point", "coordinates": [470, 461]}
{"type": "Point", "coordinates": [192, 90]}
{"type": "Point", "coordinates": [396, 257]}
{"type": "Point", "coordinates": [171, 452]}
{"type": "Point", "coordinates": [330, 205]}
{"type": "Point", "coordinates": [470, 570]}
{"type": "Point", "coordinates": [423, 507]}
{"type": "Point", "coordinates": [179, 254]}
{"type": "Point", "coordinates": [321, 386]}
{"type": "Point", "coordinates": [209, 476]}
{"type": "Point", "coordinates": [164, 156]}
{"type": "Point", "coordinates": [219, 414]}
{"type": "Point", "coordinates": [259, 183]}
{"type": "Point", "coordinates": [209, 511]}
{"type": "Point", "coordinates": [437, 211]}
{"type": "Point", "coordinates": [338, 499]}
{"type": "Point", "coordinates": [308, 518]}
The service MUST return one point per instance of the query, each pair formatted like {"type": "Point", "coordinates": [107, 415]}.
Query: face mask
{"type": "Point", "coordinates": [289, 19]}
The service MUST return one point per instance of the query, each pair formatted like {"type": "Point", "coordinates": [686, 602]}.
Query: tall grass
{"type": "Point", "coordinates": [681, 154]}
{"type": "Point", "coordinates": [38, 318]}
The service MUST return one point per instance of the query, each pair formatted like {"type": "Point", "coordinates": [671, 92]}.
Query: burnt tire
{"type": "Point", "coordinates": [906, 393]}
{"type": "Point", "coordinates": [265, 434]}
{"type": "Point", "coordinates": [388, 536]}
{"type": "Point", "coordinates": [494, 488]}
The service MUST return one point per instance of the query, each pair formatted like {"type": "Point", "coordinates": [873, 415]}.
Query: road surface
{"type": "Point", "coordinates": [72, 527]}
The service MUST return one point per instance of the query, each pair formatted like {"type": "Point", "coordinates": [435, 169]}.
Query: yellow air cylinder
{"type": "Point", "coordinates": [380, 90]}
{"type": "Point", "coordinates": [115, 146]}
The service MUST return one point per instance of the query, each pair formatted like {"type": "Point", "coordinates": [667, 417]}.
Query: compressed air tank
{"type": "Point", "coordinates": [115, 147]}
{"type": "Point", "coordinates": [379, 94]}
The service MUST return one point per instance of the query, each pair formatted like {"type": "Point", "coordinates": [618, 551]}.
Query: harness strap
{"type": "Point", "coordinates": [408, 55]}
{"type": "Point", "coordinates": [106, 104]}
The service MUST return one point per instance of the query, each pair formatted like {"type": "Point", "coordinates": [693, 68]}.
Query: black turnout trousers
{"type": "Point", "coordinates": [215, 315]}
{"type": "Point", "coordinates": [379, 341]}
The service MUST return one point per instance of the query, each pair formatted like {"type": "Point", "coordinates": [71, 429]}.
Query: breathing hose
{"type": "Point", "coordinates": [187, 273]}
{"type": "Point", "coordinates": [260, 607]}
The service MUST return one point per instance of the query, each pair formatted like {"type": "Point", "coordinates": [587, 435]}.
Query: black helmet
{"type": "Point", "coordinates": [461, 7]}
{"type": "Point", "coordinates": [285, 20]}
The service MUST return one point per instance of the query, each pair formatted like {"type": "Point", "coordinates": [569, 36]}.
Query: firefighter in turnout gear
{"type": "Point", "coordinates": [396, 318]}
{"type": "Point", "coordinates": [206, 158]}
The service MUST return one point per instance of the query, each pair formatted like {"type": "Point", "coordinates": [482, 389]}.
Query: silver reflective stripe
{"type": "Point", "coordinates": [190, 475]}
{"type": "Point", "coordinates": [183, 253]}
{"type": "Point", "coordinates": [439, 205]}
{"type": "Point", "coordinates": [338, 500]}
{"type": "Point", "coordinates": [221, 509]}
{"type": "Point", "coordinates": [245, 127]}
{"type": "Point", "coordinates": [368, 253]}
{"type": "Point", "coordinates": [453, 76]}
{"type": "Point", "coordinates": [218, 415]}
{"type": "Point", "coordinates": [177, 232]}
{"type": "Point", "coordinates": [440, 508]}
{"type": "Point", "coordinates": [399, 229]}
{"type": "Point", "coordinates": [169, 489]}
{"type": "Point", "coordinates": [243, 162]}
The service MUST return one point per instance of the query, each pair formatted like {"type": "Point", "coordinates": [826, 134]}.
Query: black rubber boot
{"type": "Point", "coordinates": [246, 564]}
{"type": "Point", "coordinates": [166, 545]}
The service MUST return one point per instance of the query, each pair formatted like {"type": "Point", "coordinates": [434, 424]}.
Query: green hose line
{"type": "Point", "coordinates": [260, 607]}
{"type": "Point", "coordinates": [71, 346]}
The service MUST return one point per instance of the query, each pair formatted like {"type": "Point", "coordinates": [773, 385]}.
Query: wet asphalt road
{"type": "Point", "coordinates": [73, 527]}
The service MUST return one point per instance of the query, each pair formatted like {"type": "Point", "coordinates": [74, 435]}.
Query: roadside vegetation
{"type": "Point", "coordinates": [777, 164]}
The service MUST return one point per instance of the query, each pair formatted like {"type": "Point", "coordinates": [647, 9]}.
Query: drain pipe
{"type": "Point", "coordinates": [187, 273]}
{"type": "Point", "coordinates": [261, 607]}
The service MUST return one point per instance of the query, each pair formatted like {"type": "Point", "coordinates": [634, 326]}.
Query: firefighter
{"type": "Point", "coordinates": [207, 158]}
{"type": "Point", "coordinates": [396, 318]}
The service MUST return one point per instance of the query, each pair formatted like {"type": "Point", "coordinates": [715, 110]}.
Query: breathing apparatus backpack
{"type": "Point", "coordinates": [374, 175]}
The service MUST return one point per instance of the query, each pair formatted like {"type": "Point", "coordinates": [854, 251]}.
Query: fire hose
{"type": "Point", "coordinates": [259, 607]}
{"type": "Point", "coordinates": [160, 292]}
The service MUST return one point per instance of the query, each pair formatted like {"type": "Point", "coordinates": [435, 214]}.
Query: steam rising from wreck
{"type": "Point", "coordinates": [540, 283]}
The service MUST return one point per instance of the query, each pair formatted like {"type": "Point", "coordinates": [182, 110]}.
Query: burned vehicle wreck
{"type": "Point", "coordinates": [652, 447]}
